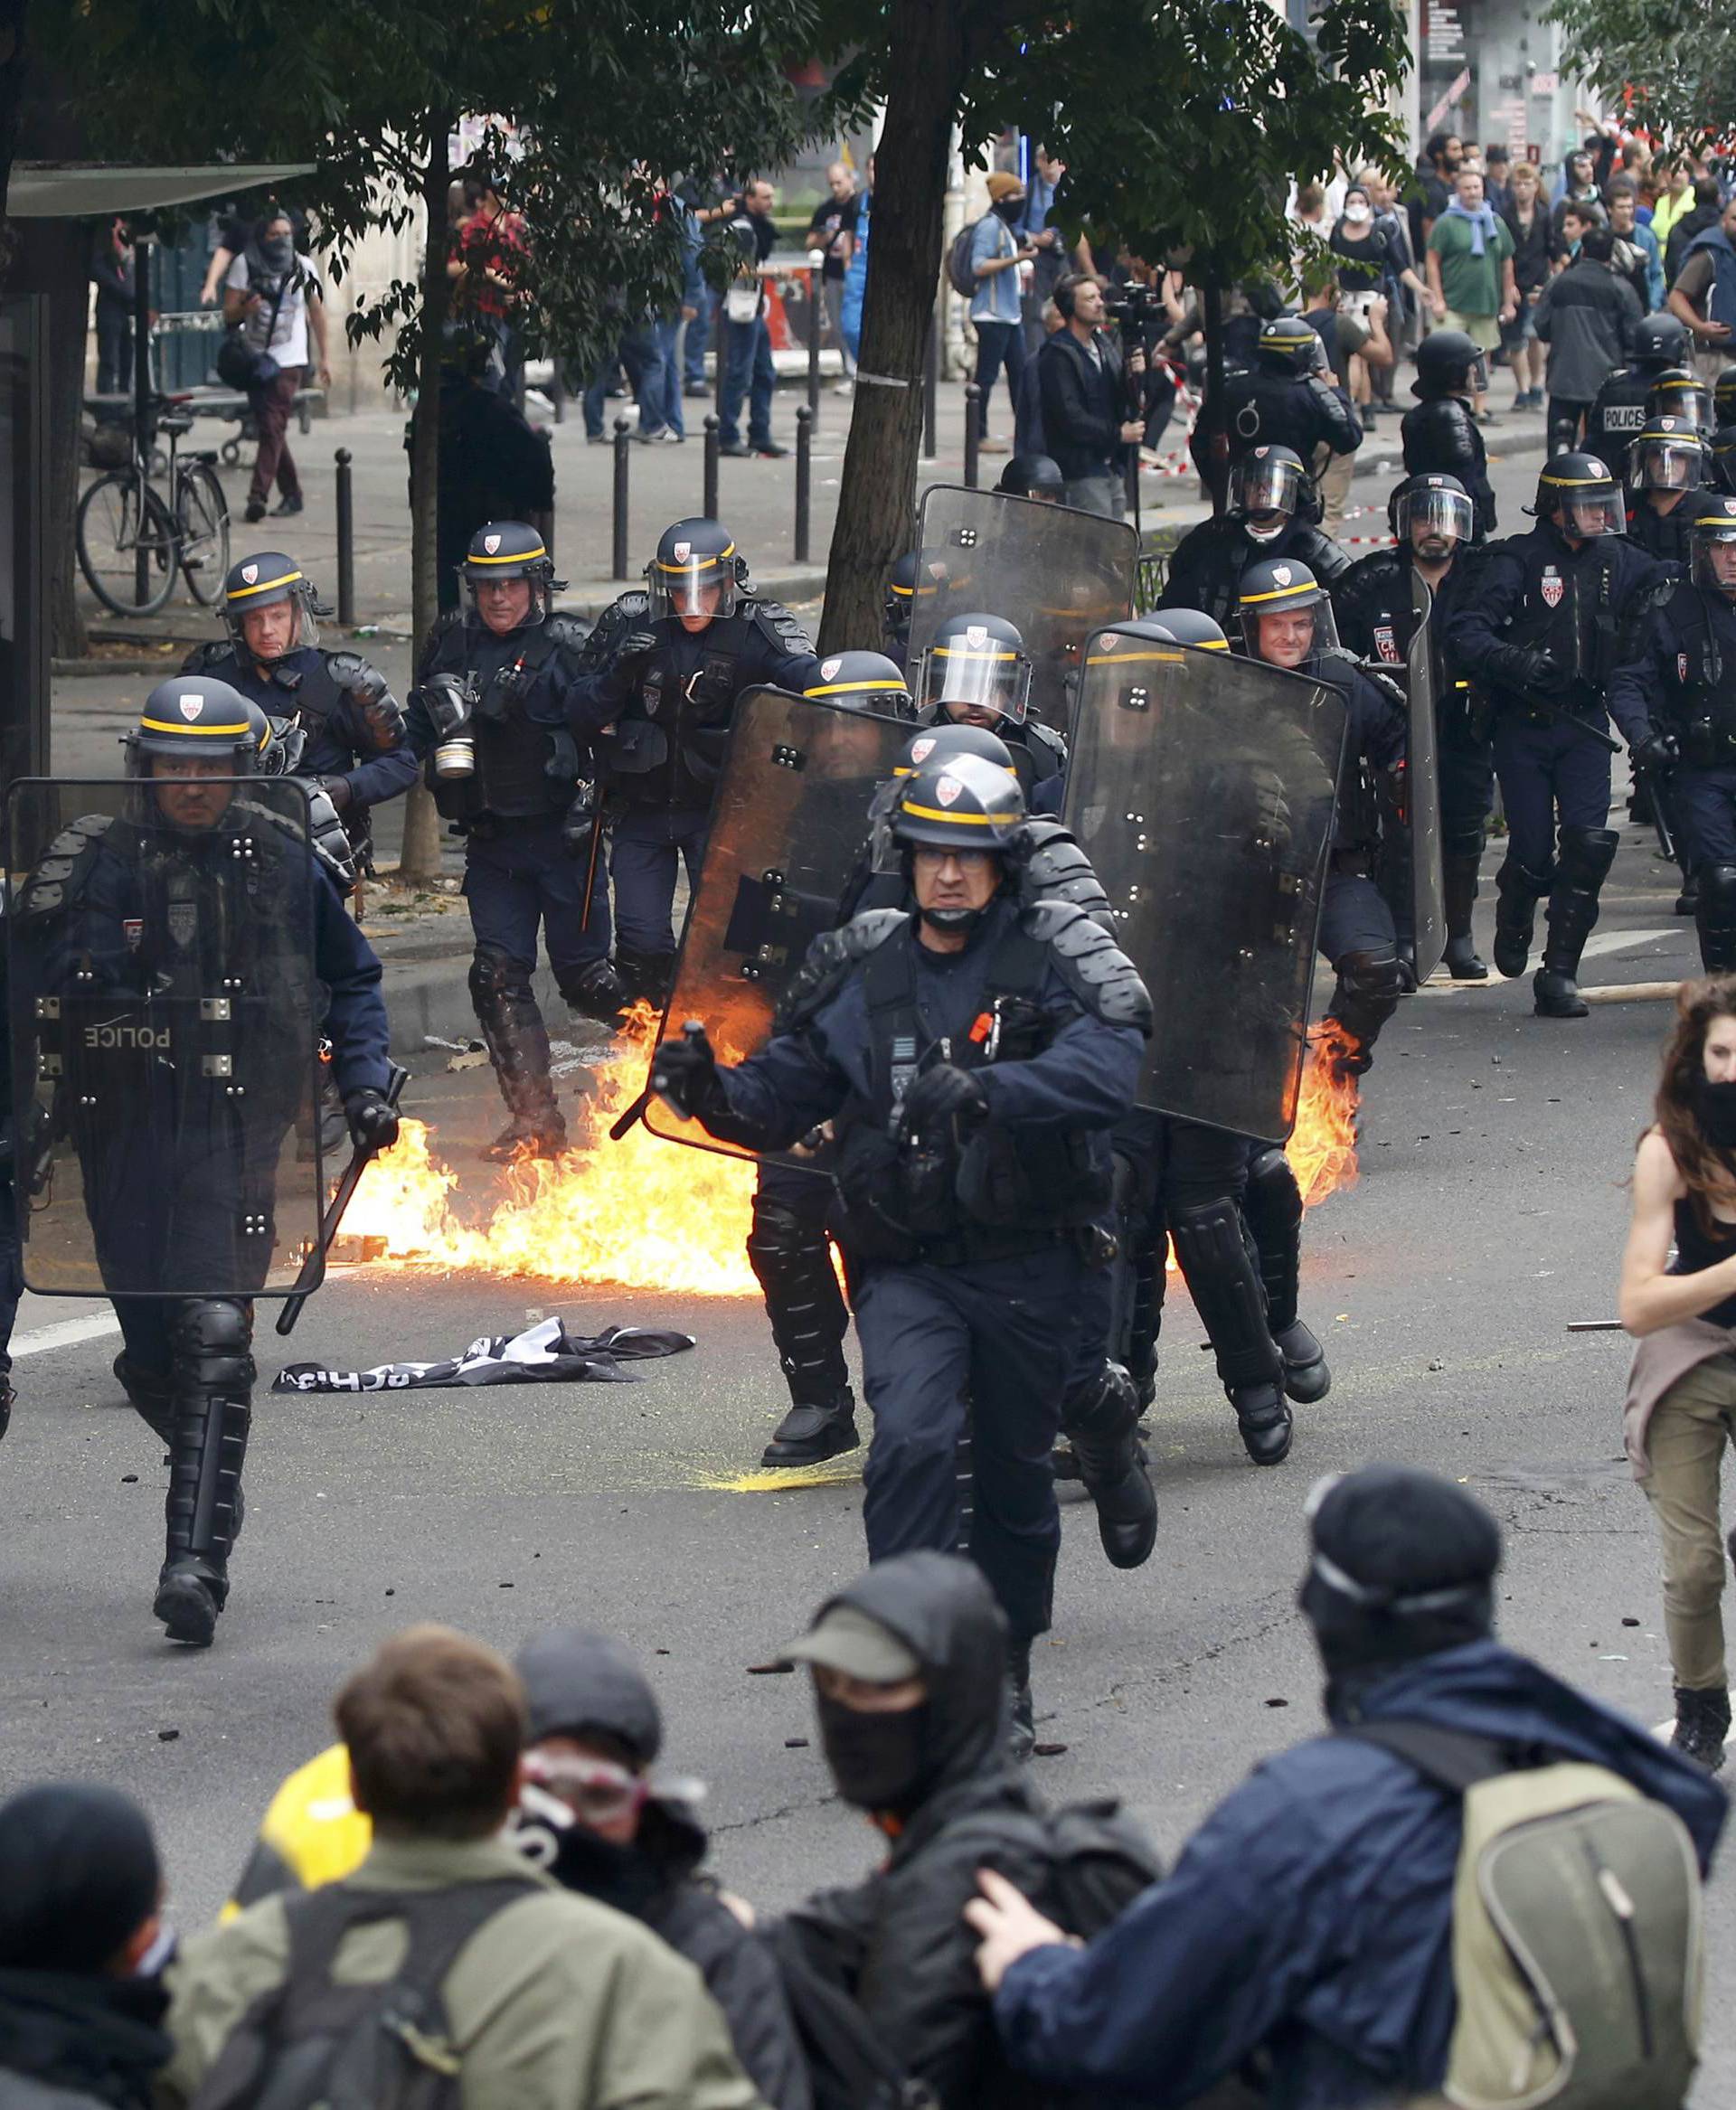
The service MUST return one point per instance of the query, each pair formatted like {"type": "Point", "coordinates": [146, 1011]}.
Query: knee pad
{"type": "Point", "coordinates": [497, 978]}
{"type": "Point", "coordinates": [1463, 842]}
{"type": "Point", "coordinates": [1717, 894]}
{"type": "Point", "coordinates": [1273, 1198]}
{"type": "Point", "coordinates": [1372, 978]}
{"type": "Point", "coordinates": [212, 1339]}
{"type": "Point", "coordinates": [1104, 1409]}
{"type": "Point", "coordinates": [1585, 856]}
{"type": "Point", "coordinates": [780, 1230]}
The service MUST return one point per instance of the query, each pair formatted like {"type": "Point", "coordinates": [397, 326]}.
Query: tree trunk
{"type": "Point", "coordinates": [421, 859]}
{"type": "Point", "coordinates": [52, 257]}
{"type": "Point", "coordinates": [878, 485]}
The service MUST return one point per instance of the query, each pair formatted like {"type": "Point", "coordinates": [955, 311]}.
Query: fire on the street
{"type": "Point", "coordinates": [1322, 1149]}
{"type": "Point", "coordinates": [645, 1214]}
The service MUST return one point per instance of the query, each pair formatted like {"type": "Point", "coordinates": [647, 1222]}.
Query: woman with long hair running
{"type": "Point", "coordinates": [1681, 1307]}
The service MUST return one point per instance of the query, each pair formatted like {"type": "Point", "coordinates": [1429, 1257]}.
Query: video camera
{"type": "Point", "coordinates": [1139, 313]}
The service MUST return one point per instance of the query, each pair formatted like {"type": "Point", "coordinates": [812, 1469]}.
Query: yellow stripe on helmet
{"type": "Point", "coordinates": [1278, 593]}
{"type": "Point", "coordinates": [694, 563]}
{"type": "Point", "coordinates": [243, 593]}
{"type": "Point", "coordinates": [935, 812]}
{"type": "Point", "coordinates": [883, 688]}
{"type": "Point", "coordinates": [1172, 658]}
{"type": "Point", "coordinates": [510, 556]}
{"type": "Point", "coordinates": [970, 652]}
{"type": "Point", "coordinates": [163, 725]}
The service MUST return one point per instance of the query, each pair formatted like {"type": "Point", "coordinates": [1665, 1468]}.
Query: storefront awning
{"type": "Point", "coordinates": [57, 190]}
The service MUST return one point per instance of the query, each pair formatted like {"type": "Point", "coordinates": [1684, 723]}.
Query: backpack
{"type": "Point", "coordinates": [1577, 1948]}
{"type": "Point", "coordinates": [1099, 1861]}
{"type": "Point", "coordinates": [311, 2042]}
{"type": "Point", "coordinates": [961, 272]}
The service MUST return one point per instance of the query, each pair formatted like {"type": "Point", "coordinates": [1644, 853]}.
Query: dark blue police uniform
{"type": "Point", "coordinates": [1205, 571]}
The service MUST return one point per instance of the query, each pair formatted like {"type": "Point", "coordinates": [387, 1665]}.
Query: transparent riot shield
{"type": "Point", "coordinates": [1059, 574]}
{"type": "Point", "coordinates": [789, 825]}
{"type": "Point", "coordinates": [164, 1020]}
{"type": "Point", "coordinates": [1203, 789]}
{"type": "Point", "coordinates": [1428, 899]}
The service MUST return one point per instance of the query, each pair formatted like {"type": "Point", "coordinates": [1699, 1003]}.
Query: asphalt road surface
{"type": "Point", "coordinates": [1490, 1212]}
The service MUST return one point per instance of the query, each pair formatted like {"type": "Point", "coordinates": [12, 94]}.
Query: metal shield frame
{"type": "Point", "coordinates": [1427, 895]}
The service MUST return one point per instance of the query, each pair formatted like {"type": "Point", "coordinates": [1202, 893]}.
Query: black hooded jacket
{"type": "Point", "coordinates": [69, 2041]}
{"type": "Point", "coordinates": [898, 1942]}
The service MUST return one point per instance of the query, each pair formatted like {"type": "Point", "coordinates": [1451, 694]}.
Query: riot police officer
{"type": "Point", "coordinates": [1667, 465]}
{"type": "Point", "coordinates": [1440, 436]}
{"type": "Point", "coordinates": [1679, 393]}
{"type": "Point", "coordinates": [1188, 626]}
{"type": "Point", "coordinates": [1675, 703]}
{"type": "Point", "coordinates": [353, 736]}
{"type": "Point", "coordinates": [1284, 401]}
{"type": "Point", "coordinates": [1433, 522]}
{"type": "Point", "coordinates": [1272, 514]}
{"type": "Point", "coordinates": [905, 586]}
{"type": "Point", "coordinates": [662, 671]}
{"type": "Point", "coordinates": [1723, 397]}
{"type": "Point", "coordinates": [977, 671]}
{"type": "Point", "coordinates": [203, 928]}
{"type": "Point", "coordinates": [1723, 447]}
{"type": "Point", "coordinates": [486, 719]}
{"type": "Point", "coordinates": [1287, 621]}
{"type": "Point", "coordinates": [1557, 611]}
{"type": "Point", "coordinates": [862, 681]}
{"type": "Point", "coordinates": [1034, 476]}
{"type": "Point", "coordinates": [973, 1056]}
{"type": "Point", "coordinates": [1661, 343]}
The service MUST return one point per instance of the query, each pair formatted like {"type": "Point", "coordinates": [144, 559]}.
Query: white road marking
{"type": "Point", "coordinates": [1617, 941]}
{"type": "Point", "coordinates": [67, 1333]}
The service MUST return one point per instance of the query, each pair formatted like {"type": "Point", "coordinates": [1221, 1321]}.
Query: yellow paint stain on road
{"type": "Point", "coordinates": [834, 1473]}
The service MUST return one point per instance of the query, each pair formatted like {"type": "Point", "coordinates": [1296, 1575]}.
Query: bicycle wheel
{"type": "Point", "coordinates": [201, 515]}
{"type": "Point", "coordinates": [112, 537]}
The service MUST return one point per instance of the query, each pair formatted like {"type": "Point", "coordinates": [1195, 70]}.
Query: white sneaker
{"type": "Point", "coordinates": [846, 386]}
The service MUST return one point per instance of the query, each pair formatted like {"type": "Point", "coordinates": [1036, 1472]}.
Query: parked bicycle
{"type": "Point", "coordinates": [131, 541]}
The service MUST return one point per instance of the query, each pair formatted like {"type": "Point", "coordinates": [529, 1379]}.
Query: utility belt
{"type": "Point", "coordinates": [1708, 743]}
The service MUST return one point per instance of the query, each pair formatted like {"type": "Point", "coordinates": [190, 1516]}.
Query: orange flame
{"type": "Point", "coordinates": [642, 1213]}
{"type": "Point", "coordinates": [1322, 1149]}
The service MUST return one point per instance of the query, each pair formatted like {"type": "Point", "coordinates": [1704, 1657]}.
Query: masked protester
{"type": "Point", "coordinates": [593, 1815]}
{"type": "Point", "coordinates": [80, 2009]}
{"type": "Point", "coordinates": [1309, 1920]}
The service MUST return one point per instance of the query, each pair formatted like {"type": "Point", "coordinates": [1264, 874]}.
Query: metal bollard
{"type": "Point", "coordinates": [558, 390]}
{"type": "Point", "coordinates": [345, 541]}
{"type": "Point", "coordinates": [931, 390]}
{"type": "Point", "coordinates": [804, 479]}
{"type": "Point", "coordinates": [711, 444]}
{"type": "Point", "coordinates": [623, 452]}
{"type": "Point", "coordinates": [814, 286]}
{"type": "Point", "coordinates": [973, 435]}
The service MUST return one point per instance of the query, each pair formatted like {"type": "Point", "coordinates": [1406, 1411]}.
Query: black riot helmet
{"type": "Point", "coordinates": [1577, 492]}
{"type": "Point", "coordinates": [1712, 545]}
{"type": "Point", "coordinates": [1266, 488]}
{"type": "Point", "coordinates": [1179, 626]}
{"type": "Point", "coordinates": [195, 717]}
{"type": "Point", "coordinates": [510, 548]}
{"type": "Point", "coordinates": [963, 803]}
{"type": "Point", "coordinates": [1032, 476]}
{"type": "Point", "coordinates": [1659, 342]}
{"type": "Point", "coordinates": [862, 681]}
{"type": "Point", "coordinates": [1723, 397]}
{"type": "Point", "coordinates": [1449, 363]}
{"type": "Point", "coordinates": [263, 580]}
{"type": "Point", "coordinates": [696, 571]}
{"type": "Point", "coordinates": [905, 586]}
{"type": "Point", "coordinates": [1678, 393]}
{"type": "Point", "coordinates": [938, 743]}
{"type": "Point", "coordinates": [1668, 454]}
{"type": "Point", "coordinates": [1287, 345]}
{"type": "Point", "coordinates": [977, 661]}
{"type": "Point", "coordinates": [1723, 457]}
{"type": "Point", "coordinates": [1283, 586]}
{"type": "Point", "coordinates": [1439, 509]}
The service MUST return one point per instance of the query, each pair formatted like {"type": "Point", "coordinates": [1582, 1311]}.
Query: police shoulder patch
{"type": "Point", "coordinates": [1096, 970]}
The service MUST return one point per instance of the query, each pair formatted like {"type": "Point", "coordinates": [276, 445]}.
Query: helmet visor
{"type": "Point", "coordinates": [1667, 465]}
{"type": "Point", "coordinates": [1714, 562]}
{"type": "Point", "coordinates": [279, 622]}
{"type": "Point", "coordinates": [701, 585]}
{"type": "Point", "coordinates": [491, 589]}
{"type": "Point", "coordinates": [1689, 401]}
{"type": "Point", "coordinates": [1590, 511]}
{"type": "Point", "coordinates": [1284, 633]}
{"type": "Point", "coordinates": [1265, 486]}
{"type": "Point", "coordinates": [959, 675]}
{"type": "Point", "coordinates": [1425, 515]}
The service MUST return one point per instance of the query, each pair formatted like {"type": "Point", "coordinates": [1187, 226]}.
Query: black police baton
{"type": "Point", "coordinates": [312, 1268]}
{"type": "Point", "coordinates": [691, 1030]}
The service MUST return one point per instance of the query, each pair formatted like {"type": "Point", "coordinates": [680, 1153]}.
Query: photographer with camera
{"type": "Point", "coordinates": [1083, 382]}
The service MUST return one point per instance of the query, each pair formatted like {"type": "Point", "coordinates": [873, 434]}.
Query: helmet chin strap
{"type": "Point", "coordinates": [953, 922]}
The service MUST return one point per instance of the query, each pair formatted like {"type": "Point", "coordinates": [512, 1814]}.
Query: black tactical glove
{"type": "Point", "coordinates": [941, 1094]}
{"type": "Point", "coordinates": [684, 1073]}
{"type": "Point", "coordinates": [372, 1119]}
{"type": "Point", "coordinates": [337, 789]}
{"type": "Point", "coordinates": [1531, 673]}
{"type": "Point", "coordinates": [637, 648]}
{"type": "Point", "coordinates": [1654, 750]}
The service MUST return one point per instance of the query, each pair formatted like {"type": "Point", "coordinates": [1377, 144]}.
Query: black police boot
{"type": "Point", "coordinates": [208, 1448]}
{"type": "Point", "coordinates": [1022, 1732]}
{"type": "Point", "coordinates": [518, 1046]}
{"type": "Point", "coordinates": [1102, 1418]}
{"type": "Point", "coordinates": [149, 1395]}
{"type": "Point", "coordinates": [1212, 1248]}
{"type": "Point", "coordinates": [1461, 873]}
{"type": "Point", "coordinates": [597, 992]}
{"type": "Point", "coordinates": [1518, 890]}
{"type": "Point", "coordinates": [1701, 1725]}
{"type": "Point", "coordinates": [1582, 866]}
{"type": "Point", "coordinates": [813, 1431]}
{"type": "Point", "coordinates": [1272, 1209]}
{"type": "Point", "coordinates": [1687, 903]}
{"type": "Point", "coordinates": [647, 975]}
{"type": "Point", "coordinates": [1715, 918]}
{"type": "Point", "coordinates": [1369, 984]}
{"type": "Point", "coordinates": [8, 1398]}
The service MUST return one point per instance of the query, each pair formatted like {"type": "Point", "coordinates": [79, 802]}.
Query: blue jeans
{"type": "Point", "coordinates": [638, 351]}
{"type": "Point", "coordinates": [667, 336]}
{"type": "Point", "coordinates": [698, 331]}
{"type": "Point", "coordinates": [1551, 774]}
{"type": "Point", "coordinates": [997, 345]}
{"type": "Point", "coordinates": [749, 373]}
